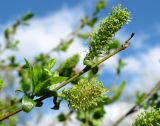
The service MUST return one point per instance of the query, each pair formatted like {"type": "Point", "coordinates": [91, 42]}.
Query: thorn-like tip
{"type": "Point", "coordinates": [132, 34]}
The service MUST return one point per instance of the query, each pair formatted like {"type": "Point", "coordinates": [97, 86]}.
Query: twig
{"type": "Point", "coordinates": [86, 69]}
{"type": "Point", "coordinates": [8, 114]}
{"type": "Point", "coordinates": [134, 108]}
{"type": "Point", "coordinates": [11, 105]}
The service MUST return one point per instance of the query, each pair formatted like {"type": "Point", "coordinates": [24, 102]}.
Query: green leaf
{"type": "Point", "coordinates": [98, 113]}
{"type": "Point", "coordinates": [56, 80]}
{"type": "Point", "coordinates": [7, 33]}
{"type": "Point", "coordinates": [27, 65]}
{"type": "Point", "coordinates": [1, 83]}
{"type": "Point", "coordinates": [100, 5]}
{"type": "Point", "coordinates": [27, 104]}
{"type": "Point", "coordinates": [62, 117]}
{"type": "Point", "coordinates": [140, 97]}
{"type": "Point", "coordinates": [91, 22]}
{"type": "Point", "coordinates": [83, 36]}
{"type": "Point", "coordinates": [118, 90]}
{"type": "Point", "coordinates": [27, 17]}
{"type": "Point", "coordinates": [36, 75]}
{"type": "Point", "coordinates": [47, 84]}
{"type": "Point", "coordinates": [40, 86]}
{"type": "Point", "coordinates": [55, 74]}
{"type": "Point", "coordinates": [121, 64]}
{"type": "Point", "coordinates": [116, 93]}
{"type": "Point", "coordinates": [26, 86]}
{"type": "Point", "coordinates": [114, 44]}
{"type": "Point", "coordinates": [51, 63]}
{"type": "Point", "coordinates": [64, 45]}
{"type": "Point", "coordinates": [66, 67]}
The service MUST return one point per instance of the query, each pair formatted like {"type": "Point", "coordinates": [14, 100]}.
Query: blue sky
{"type": "Point", "coordinates": [144, 13]}
{"type": "Point", "coordinates": [142, 56]}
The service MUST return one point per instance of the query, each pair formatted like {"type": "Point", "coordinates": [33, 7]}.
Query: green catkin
{"type": "Point", "coordinates": [66, 67]}
{"type": "Point", "coordinates": [101, 37]}
{"type": "Point", "coordinates": [85, 95]}
{"type": "Point", "coordinates": [148, 118]}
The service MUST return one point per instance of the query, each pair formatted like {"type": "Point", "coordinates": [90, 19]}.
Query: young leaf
{"type": "Point", "coordinates": [55, 74]}
{"type": "Point", "coordinates": [83, 36]}
{"type": "Point", "coordinates": [100, 5]}
{"type": "Point", "coordinates": [51, 63]}
{"type": "Point", "coordinates": [121, 64]}
{"type": "Point", "coordinates": [116, 93]}
{"type": "Point", "coordinates": [114, 44]}
{"type": "Point", "coordinates": [1, 83]}
{"type": "Point", "coordinates": [7, 33]}
{"type": "Point", "coordinates": [92, 22]}
{"type": "Point", "coordinates": [27, 104]}
{"type": "Point", "coordinates": [40, 86]}
{"type": "Point", "coordinates": [62, 117]}
{"type": "Point", "coordinates": [64, 45]}
{"type": "Point", "coordinates": [56, 80]}
{"type": "Point", "coordinates": [36, 75]}
{"type": "Point", "coordinates": [27, 17]}
{"type": "Point", "coordinates": [27, 65]}
{"type": "Point", "coordinates": [47, 84]}
{"type": "Point", "coordinates": [118, 90]}
{"type": "Point", "coordinates": [98, 113]}
{"type": "Point", "coordinates": [66, 67]}
{"type": "Point", "coordinates": [26, 86]}
{"type": "Point", "coordinates": [139, 97]}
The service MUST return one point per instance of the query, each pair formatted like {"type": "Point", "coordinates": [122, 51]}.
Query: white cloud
{"type": "Point", "coordinates": [132, 65]}
{"type": "Point", "coordinates": [51, 120]}
{"type": "Point", "coordinates": [145, 69]}
{"type": "Point", "coordinates": [113, 112]}
{"type": "Point", "coordinates": [117, 110]}
{"type": "Point", "coordinates": [45, 33]}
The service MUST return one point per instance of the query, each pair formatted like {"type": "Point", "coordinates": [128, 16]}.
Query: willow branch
{"type": "Point", "coordinates": [134, 108]}
{"type": "Point", "coordinates": [11, 105]}
{"type": "Point", "coordinates": [86, 69]}
{"type": "Point", "coordinates": [8, 114]}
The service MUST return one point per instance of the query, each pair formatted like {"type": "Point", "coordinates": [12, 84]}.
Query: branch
{"type": "Point", "coordinates": [134, 108]}
{"type": "Point", "coordinates": [8, 114]}
{"type": "Point", "coordinates": [86, 69]}
{"type": "Point", "coordinates": [11, 105]}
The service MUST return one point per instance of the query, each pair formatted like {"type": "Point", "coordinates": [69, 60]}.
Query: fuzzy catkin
{"type": "Point", "coordinates": [148, 118]}
{"type": "Point", "coordinates": [66, 67]}
{"type": "Point", "coordinates": [101, 37]}
{"type": "Point", "coordinates": [85, 95]}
